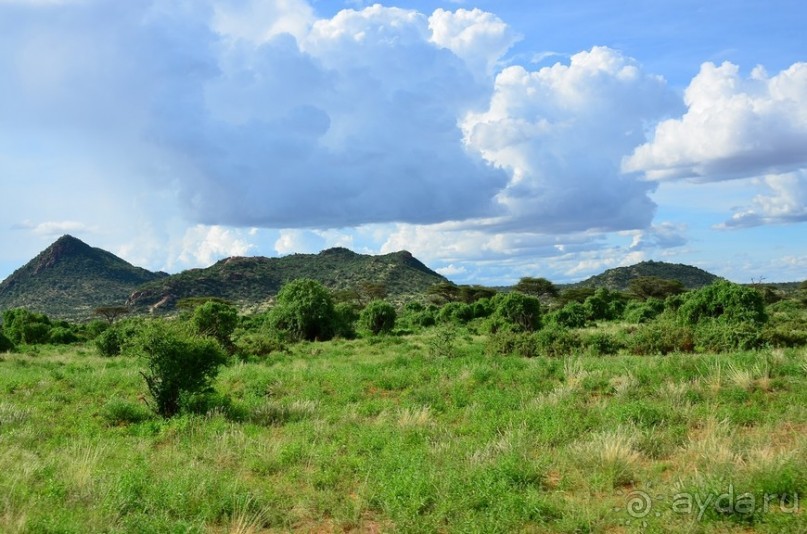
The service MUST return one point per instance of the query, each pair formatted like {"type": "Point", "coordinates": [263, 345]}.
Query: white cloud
{"type": "Point", "coordinates": [258, 21]}
{"type": "Point", "coordinates": [561, 132]}
{"type": "Point", "coordinates": [664, 235]}
{"type": "Point", "coordinates": [300, 241]}
{"type": "Point", "coordinates": [786, 202]}
{"type": "Point", "coordinates": [734, 127]}
{"type": "Point", "coordinates": [206, 244]}
{"type": "Point", "coordinates": [478, 37]}
{"type": "Point", "coordinates": [452, 270]}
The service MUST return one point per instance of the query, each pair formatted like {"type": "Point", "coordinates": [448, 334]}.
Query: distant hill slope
{"type": "Point", "coordinates": [70, 278]}
{"type": "Point", "coordinates": [252, 281]}
{"type": "Point", "coordinates": [620, 277]}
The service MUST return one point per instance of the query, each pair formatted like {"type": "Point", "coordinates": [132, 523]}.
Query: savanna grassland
{"type": "Point", "coordinates": [428, 432]}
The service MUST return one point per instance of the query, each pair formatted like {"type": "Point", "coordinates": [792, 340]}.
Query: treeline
{"type": "Point", "coordinates": [181, 355]}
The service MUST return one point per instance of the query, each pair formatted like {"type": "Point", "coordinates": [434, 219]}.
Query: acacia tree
{"type": "Point", "coordinates": [304, 311]}
{"type": "Point", "coordinates": [537, 287]}
{"type": "Point", "coordinates": [110, 313]}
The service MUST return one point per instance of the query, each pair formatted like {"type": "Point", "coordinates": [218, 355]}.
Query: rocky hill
{"type": "Point", "coordinates": [254, 280]}
{"type": "Point", "coordinates": [70, 278]}
{"type": "Point", "coordinates": [620, 277]}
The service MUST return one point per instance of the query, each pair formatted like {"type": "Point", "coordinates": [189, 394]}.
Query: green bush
{"type": "Point", "coordinates": [602, 343]}
{"type": "Point", "coordinates": [60, 335]}
{"type": "Point", "coordinates": [724, 300]}
{"type": "Point", "coordinates": [661, 336]}
{"type": "Point", "coordinates": [508, 342]}
{"type": "Point", "coordinates": [642, 312]}
{"type": "Point", "coordinates": [6, 345]}
{"type": "Point", "coordinates": [378, 317]}
{"type": "Point", "coordinates": [456, 312]}
{"type": "Point", "coordinates": [25, 327]}
{"type": "Point", "coordinates": [714, 335]}
{"type": "Point", "coordinates": [177, 364]}
{"type": "Point", "coordinates": [217, 320]}
{"type": "Point", "coordinates": [345, 320]}
{"type": "Point", "coordinates": [572, 315]}
{"type": "Point", "coordinates": [304, 311]}
{"type": "Point", "coordinates": [110, 342]}
{"type": "Point", "coordinates": [556, 341]}
{"type": "Point", "coordinates": [519, 311]}
{"type": "Point", "coordinates": [605, 305]}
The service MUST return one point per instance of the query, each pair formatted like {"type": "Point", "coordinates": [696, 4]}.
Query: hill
{"type": "Point", "coordinates": [70, 278]}
{"type": "Point", "coordinates": [620, 277]}
{"type": "Point", "coordinates": [252, 281]}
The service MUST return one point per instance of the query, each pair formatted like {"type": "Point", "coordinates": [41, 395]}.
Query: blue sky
{"type": "Point", "coordinates": [492, 139]}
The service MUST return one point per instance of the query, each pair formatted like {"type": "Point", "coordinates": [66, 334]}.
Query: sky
{"type": "Point", "coordinates": [492, 139]}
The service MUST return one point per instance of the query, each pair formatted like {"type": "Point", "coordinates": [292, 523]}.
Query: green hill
{"type": "Point", "coordinates": [620, 277]}
{"type": "Point", "coordinates": [70, 278]}
{"type": "Point", "coordinates": [253, 281]}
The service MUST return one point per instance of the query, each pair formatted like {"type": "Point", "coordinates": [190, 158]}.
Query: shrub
{"type": "Point", "coordinates": [604, 305]}
{"type": "Point", "coordinates": [24, 327]}
{"type": "Point", "coordinates": [217, 320]}
{"type": "Point", "coordinates": [661, 336]}
{"type": "Point", "coordinates": [259, 344]}
{"type": "Point", "coordinates": [714, 335]}
{"type": "Point", "coordinates": [572, 315]}
{"type": "Point", "coordinates": [483, 307]}
{"type": "Point", "coordinates": [602, 343]}
{"type": "Point", "coordinates": [642, 312]}
{"type": "Point", "coordinates": [456, 312]}
{"type": "Point", "coordinates": [555, 341]}
{"type": "Point", "coordinates": [512, 342]}
{"type": "Point", "coordinates": [177, 364]}
{"type": "Point", "coordinates": [6, 345]}
{"type": "Point", "coordinates": [725, 300]}
{"type": "Point", "coordinates": [345, 320]}
{"type": "Point", "coordinates": [60, 335]}
{"type": "Point", "coordinates": [378, 317]}
{"type": "Point", "coordinates": [304, 311]}
{"type": "Point", "coordinates": [520, 311]}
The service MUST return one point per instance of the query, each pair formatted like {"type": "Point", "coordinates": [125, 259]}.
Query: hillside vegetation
{"type": "Point", "coordinates": [70, 278]}
{"type": "Point", "coordinates": [621, 277]}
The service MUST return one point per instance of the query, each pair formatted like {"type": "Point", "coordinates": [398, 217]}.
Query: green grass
{"type": "Point", "coordinates": [390, 434]}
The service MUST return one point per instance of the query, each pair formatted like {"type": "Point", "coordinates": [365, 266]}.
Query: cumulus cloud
{"type": "Point", "coordinates": [785, 202]}
{"type": "Point", "coordinates": [207, 244]}
{"type": "Point", "coordinates": [561, 132]}
{"type": "Point", "coordinates": [665, 235]}
{"type": "Point", "coordinates": [734, 127]}
{"type": "Point", "coordinates": [478, 37]}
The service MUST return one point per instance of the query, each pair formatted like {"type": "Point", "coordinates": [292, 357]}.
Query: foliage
{"type": "Point", "coordinates": [714, 335]}
{"type": "Point", "coordinates": [6, 345]}
{"type": "Point", "coordinates": [537, 287]}
{"type": "Point", "coordinates": [378, 317]}
{"type": "Point", "coordinates": [69, 278]}
{"type": "Point", "coordinates": [177, 364]}
{"type": "Point", "coordinates": [639, 312]}
{"type": "Point", "coordinates": [217, 320]}
{"type": "Point", "coordinates": [61, 335]}
{"type": "Point", "coordinates": [345, 320]}
{"type": "Point", "coordinates": [602, 343]}
{"type": "Point", "coordinates": [725, 300]}
{"type": "Point", "coordinates": [456, 312]}
{"type": "Point", "coordinates": [509, 342]}
{"type": "Point", "coordinates": [118, 412]}
{"type": "Point", "coordinates": [251, 280]}
{"type": "Point", "coordinates": [25, 327]}
{"type": "Point", "coordinates": [662, 336]}
{"type": "Point", "coordinates": [520, 311]}
{"type": "Point", "coordinates": [110, 342]}
{"type": "Point", "coordinates": [572, 315]}
{"type": "Point", "coordinates": [575, 294]}
{"type": "Point", "coordinates": [110, 313]}
{"type": "Point", "coordinates": [470, 294]}
{"type": "Point", "coordinates": [620, 278]}
{"type": "Point", "coordinates": [604, 305]}
{"type": "Point", "coordinates": [556, 341]}
{"type": "Point", "coordinates": [645, 287]}
{"type": "Point", "coordinates": [304, 311]}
